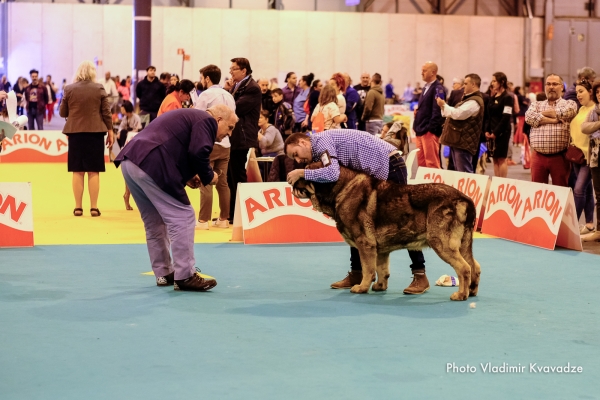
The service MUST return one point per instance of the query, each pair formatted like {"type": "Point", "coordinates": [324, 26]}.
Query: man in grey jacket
{"type": "Point", "coordinates": [374, 106]}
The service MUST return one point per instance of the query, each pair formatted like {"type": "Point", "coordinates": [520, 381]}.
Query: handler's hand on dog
{"type": "Point", "coordinates": [294, 176]}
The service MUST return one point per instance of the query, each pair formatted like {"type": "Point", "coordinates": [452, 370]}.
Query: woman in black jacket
{"type": "Point", "coordinates": [497, 129]}
{"type": "Point", "coordinates": [313, 99]}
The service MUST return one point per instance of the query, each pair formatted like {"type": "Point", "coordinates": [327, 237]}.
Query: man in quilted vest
{"type": "Point", "coordinates": [463, 124]}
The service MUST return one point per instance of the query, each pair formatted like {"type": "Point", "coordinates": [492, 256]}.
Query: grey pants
{"type": "Point", "coordinates": [169, 224]}
{"type": "Point", "coordinates": [374, 127]}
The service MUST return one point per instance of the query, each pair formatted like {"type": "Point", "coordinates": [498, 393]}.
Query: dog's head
{"type": "Point", "coordinates": [304, 189]}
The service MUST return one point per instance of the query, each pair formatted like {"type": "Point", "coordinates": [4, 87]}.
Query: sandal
{"type": "Point", "coordinates": [78, 212]}
{"type": "Point", "coordinates": [127, 205]}
{"type": "Point", "coordinates": [95, 210]}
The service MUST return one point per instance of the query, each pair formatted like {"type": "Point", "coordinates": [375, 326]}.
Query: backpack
{"type": "Point", "coordinates": [284, 119]}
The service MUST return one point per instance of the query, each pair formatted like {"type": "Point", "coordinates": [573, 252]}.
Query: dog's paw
{"type": "Point", "coordinates": [458, 296]}
{"type": "Point", "coordinates": [473, 292]}
{"type": "Point", "coordinates": [359, 289]}
{"type": "Point", "coordinates": [379, 287]}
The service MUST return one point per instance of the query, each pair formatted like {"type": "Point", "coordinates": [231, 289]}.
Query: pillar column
{"type": "Point", "coordinates": [142, 40]}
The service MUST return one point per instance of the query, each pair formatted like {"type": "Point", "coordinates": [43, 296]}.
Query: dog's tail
{"type": "Point", "coordinates": [465, 211]}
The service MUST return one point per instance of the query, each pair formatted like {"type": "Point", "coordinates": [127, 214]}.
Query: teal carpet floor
{"type": "Point", "coordinates": [82, 322]}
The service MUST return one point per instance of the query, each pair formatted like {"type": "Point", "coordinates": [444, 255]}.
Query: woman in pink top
{"type": "Point", "coordinates": [123, 90]}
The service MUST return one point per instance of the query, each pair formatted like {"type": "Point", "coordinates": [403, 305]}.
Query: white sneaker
{"type": "Point", "coordinates": [220, 224]}
{"type": "Point", "coordinates": [202, 225]}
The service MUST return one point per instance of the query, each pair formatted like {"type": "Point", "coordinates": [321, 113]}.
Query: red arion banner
{"type": "Point", "coordinates": [267, 213]}
{"type": "Point", "coordinates": [473, 185]}
{"type": "Point", "coordinates": [532, 213]}
{"type": "Point", "coordinates": [37, 147]}
{"type": "Point", "coordinates": [16, 215]}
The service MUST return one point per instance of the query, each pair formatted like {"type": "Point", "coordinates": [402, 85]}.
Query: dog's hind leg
{"type": "Point", "coordinates": [466, 250]}
{"type": "Point", "coordinates": [449, 251]}
{"type": "Point", "coordinates": [383, 272]}
{"type": "Point", "coordinates": [368, 259]}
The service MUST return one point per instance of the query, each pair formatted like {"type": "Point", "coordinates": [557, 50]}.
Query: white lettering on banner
{"type": "Point", "coordinates": [52, 143]}
{"type": "Point", "coordinates": [265, 201]}
{"type": "Point", "coordinates": [524, 201]}
{"type": "Point", "coordinates": [15, 205]}
{"type": "Point", "coordinates": [472, 185]}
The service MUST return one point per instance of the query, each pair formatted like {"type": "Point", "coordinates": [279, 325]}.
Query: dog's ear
{"type": "Point", "coordinates": [315, 165]}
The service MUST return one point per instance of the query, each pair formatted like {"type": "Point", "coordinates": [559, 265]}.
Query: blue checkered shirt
{"type": "Point", "coordinates": [356, 150]}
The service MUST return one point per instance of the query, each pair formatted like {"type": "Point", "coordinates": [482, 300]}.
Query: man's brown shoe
{"type": "Point", "coordinates": [419, 285]}
{"type": "Point", "coordinates": [195, 283]}
{"type": "Point", "coordinates": [166, 280]}
{"type": "Point", "coordinates": [353, 278]}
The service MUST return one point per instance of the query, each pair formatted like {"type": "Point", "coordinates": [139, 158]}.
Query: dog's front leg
{"type": "Point", "coordinates": [368, 259]}
{"type": "Point", "coordinates": [383, 272]}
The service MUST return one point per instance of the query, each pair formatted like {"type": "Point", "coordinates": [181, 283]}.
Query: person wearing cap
{"type": "Point", "coordinates": [179, 93]}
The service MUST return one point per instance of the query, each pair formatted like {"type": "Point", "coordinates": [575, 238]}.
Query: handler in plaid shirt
{"type": "Point", "coordinates": [550, 133]}
{"type": "Point", "coordinates": [359, 151]}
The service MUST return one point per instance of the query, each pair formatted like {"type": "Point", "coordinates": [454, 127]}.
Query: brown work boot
{"type": "Point", "coordinates": [353, 278]}
{"type": "Point", "coordinates": [166, 280]}
{"type": "Point", "coordinates": [419, 285]}
{"type": "Point", "coordinates": [195, 283]}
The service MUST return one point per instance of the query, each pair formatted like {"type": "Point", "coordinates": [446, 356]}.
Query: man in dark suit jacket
{"type": "Point", "coordinates": [248, 99]}
{"type": "Point", "coordinates": [428, 118]}
{"type": "Point", "coordinates": [169, 153]}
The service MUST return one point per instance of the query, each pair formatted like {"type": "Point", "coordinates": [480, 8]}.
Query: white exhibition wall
{"type": "Point", "coordinates": [55, 38]}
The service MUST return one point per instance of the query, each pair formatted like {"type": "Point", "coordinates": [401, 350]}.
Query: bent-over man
{"type": "Point", "coordinates": [359, 151]}
{"type": "Point", "coordinates": [157, 164]}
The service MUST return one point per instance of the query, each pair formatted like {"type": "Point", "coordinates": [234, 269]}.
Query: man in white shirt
{"type": "Point", "coordinates": [213, 94]}
{"type": "Point", "coordinates": [111, 90]}
{"type": "Point", "coordinates": [462, 128]}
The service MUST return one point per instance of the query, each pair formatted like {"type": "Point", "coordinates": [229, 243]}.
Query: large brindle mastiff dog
{"type": "Point", "coordinates": [378, 217]}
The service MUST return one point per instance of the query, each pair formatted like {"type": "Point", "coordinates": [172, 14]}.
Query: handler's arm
{"type": "Point", "coordinates": [201, 144]}
{"type": "Point", "coordinates": [330, 173]}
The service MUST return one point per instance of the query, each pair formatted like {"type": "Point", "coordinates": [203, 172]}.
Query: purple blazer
{"type": "Point", "coordinates": [173, 148]}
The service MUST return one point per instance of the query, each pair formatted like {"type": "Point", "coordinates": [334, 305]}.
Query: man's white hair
{"type": "Point", "coordinates": [224, 112]}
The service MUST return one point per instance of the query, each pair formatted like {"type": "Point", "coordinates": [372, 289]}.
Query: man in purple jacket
{"type": "Point", "coordinates": [169, 153]}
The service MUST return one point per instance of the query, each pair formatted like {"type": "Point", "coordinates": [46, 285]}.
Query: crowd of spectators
{"type": "Point", "coordinates": [464, 125]}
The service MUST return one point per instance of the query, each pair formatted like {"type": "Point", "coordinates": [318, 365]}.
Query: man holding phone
{"type": "Point", "coordinates": [428, 118]}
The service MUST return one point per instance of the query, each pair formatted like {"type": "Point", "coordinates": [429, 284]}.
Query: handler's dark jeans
{"type": "Point", "coordinates": [397, 174]}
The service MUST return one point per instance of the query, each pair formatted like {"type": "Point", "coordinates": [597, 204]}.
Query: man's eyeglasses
{"type": "Point", "coordinates": [234, 69]}
{"type": "Point", "coordinates": [553, 84]}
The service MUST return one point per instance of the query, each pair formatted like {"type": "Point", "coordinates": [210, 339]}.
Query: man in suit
{"type": "Point", "coordinates": [428, 118]}
{"type": "Point", "coordinates": [173, 151]}
{"type": "Point", "coordinates": [248, 99]}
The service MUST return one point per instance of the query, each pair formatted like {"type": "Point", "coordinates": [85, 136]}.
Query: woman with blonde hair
{"type": "Point", "coordinates": [86, 108]}
{"type": "Point", "coordinates": [328, 107]}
